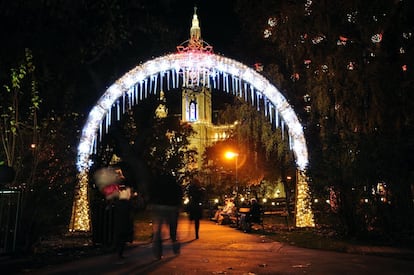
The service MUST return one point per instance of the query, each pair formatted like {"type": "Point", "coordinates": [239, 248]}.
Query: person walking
{"type": "Point", "coordinates": [123, 220]}
{"type": "Point", "coordinates": [165, 200]}
{"type": "Point", "coordinates": [195, 209]}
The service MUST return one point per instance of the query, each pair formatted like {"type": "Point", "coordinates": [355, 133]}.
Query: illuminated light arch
{"type": "Point", "coordinates": [189, 69]}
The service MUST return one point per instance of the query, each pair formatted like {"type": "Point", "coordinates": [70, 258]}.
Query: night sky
{"type": "Point", "coordinates": [76, 62]}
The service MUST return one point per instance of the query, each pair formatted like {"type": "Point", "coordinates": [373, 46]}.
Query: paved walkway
{"type": "Point", "coordinates": [224, 250]}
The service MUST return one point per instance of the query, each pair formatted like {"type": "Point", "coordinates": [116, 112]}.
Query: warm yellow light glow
{"type": "Point", "coordinates": [216, 200]}
{"type": "Point", "coordinates": [230, 155]}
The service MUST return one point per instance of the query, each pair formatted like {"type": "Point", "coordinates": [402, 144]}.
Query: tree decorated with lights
{"type": "Point", "coordinates": [348, 69]}
{"type": "Point", "coordinates": [264, 157]}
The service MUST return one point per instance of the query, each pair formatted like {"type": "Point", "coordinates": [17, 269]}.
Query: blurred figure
{"type": "Point", "coordinates": [195, 209]}
{"type": "Point", "coordinates": [124, 228]}
{"type": "Point", "coordinates": [227, 210]}
{"type": "Point", "coordinates": [108, 179]}
{"type": "Point", "coordinates": [255, 212]}
{"type": "Point", "coordinates": [253, 215]}
{"type": "Point", "coordinates": [111, 182]}
{"type": "Point", "coordinates": [165, 198]}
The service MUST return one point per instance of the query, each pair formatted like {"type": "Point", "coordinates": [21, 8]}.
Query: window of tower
{"type": "Point", "coordinates": [193, 111]}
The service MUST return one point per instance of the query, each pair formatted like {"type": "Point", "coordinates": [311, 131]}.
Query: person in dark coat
{"type": "Point", "coordinates": [165, 198]}
{"type": "Point", "coordinates": [255, 214]}
{"type": "Point", "coordinates": [195, 208]}
{"type": "Point", "coordinates": [123, 220]}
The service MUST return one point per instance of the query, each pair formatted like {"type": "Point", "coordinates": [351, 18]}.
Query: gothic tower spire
{"type": "Point", "coordinates": [195, 43]}
{"type": "Point", "coordinates": [195, 31]}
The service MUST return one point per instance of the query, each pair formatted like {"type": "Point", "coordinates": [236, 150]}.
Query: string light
{"type": "Point", "coordinates": [267, 33]}
{"type": "Point", "coordinates": [308, 9]}
{"type": "Point", "coordinates": [350, 66]}
{"type": "Point", "coordinates": [376, 38]}
{"type": "Point", "coordinates": [351, 17]}
{"type": "Point", "coordinates": [342, 41]}
{"type": "Point", "coordinates": [318, 39]}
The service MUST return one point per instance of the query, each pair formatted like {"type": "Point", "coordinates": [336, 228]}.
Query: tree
{"type": "Point", "coordinates": [263, 155]}
{"type": "Point", "coordinates": [41, 151]}
{"type": "Point", "coordinates": [149, 144]}
{"type": "Point", "coordinates": [46, 201]}
{"type": "Point", "coordinates": [344, 67]}
{"type": "Point", "coordinates": [19, 130]}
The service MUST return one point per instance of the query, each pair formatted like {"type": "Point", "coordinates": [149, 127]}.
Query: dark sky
{"type": "Point", "coordinates": [59, 33]}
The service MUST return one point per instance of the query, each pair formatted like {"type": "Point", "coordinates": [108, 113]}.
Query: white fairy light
{"type": "Point", "coordinates": [272, 21]}
{"type": "Point", "coordinates": [129, 80]}
{"type": "Point", "coordinates": [318, 39]}
{"type": "Point", "coordinates": [376, 38]}
{"type": "Point", "coordinates": [308, 9]}
{"type": "Point", "coordinates": [351, 17]}
{"type": "Point", "coordinates": [407, 35]}
{"type": "Point", "coordinates": [182, 61]}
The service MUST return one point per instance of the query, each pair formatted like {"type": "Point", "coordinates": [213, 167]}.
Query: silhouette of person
{"type": "Point", "coordinates": [255, 212]}
{"type": "Point", "coordinates": [165, 199]}
{"type": "Point", "coordinates": [123, 220]}
{"type": "Point", "coordinates": [195, 209]}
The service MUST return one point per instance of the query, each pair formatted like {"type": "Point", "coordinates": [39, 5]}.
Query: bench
{"type": "Point", "coordinates": [229, 219]}
{"type": "Point", "coordinates": [246, 221]}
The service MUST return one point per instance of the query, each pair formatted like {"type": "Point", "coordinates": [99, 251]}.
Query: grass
{"type": "Point", "coordinates": [279, 229]}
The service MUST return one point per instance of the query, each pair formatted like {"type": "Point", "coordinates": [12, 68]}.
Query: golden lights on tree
{"type": "Point", "coordinates": [304, 215]}
{"type": "Point", "coordinates": [80, 220]}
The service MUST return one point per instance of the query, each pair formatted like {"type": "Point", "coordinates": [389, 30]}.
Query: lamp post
{"type": "Point", "coordinates": [233, 155]}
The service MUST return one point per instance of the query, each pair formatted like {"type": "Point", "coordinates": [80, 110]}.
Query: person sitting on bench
{"type": "Point", "coordinates": [255, 214]}
{"type": "Point", "coordinates": [227, 211]}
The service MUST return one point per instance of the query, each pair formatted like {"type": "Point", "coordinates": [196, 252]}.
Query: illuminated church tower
{"type": "Point", "coordinates": [196, 99]}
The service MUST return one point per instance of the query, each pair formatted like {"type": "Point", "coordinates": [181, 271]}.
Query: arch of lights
{"type": "Point", "coordinates": [188, 69]}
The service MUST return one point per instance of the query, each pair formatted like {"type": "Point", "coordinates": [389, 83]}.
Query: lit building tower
{"type": "Point", "coordinates": [196, 97]}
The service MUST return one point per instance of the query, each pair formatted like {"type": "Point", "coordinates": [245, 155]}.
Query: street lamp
{"type": "Point", "coordinates": [233, 155]}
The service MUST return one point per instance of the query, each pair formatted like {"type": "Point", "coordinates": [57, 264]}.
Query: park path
{"type": "Point", "coordinates": [225, 250]}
